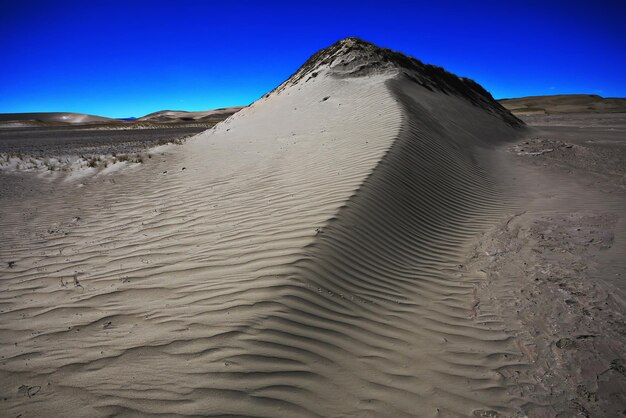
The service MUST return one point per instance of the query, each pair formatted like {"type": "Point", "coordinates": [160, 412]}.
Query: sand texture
{"type": "Point", "coordinates": [337, 248]}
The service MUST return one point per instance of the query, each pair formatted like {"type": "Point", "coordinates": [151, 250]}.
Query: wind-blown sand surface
{"type": "Point", "coordinates": [316, 254]}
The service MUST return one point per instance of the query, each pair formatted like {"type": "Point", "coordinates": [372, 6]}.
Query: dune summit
{"type": "Point", "coordinates": [316, 254]}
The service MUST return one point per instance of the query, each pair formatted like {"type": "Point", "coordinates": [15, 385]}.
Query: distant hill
{"type": "Point", "coordinates": [173, 116]}
{"type": "Point", "coordinates": [24, 120]}
{"type": "Point", "coordinates": [564, 103]}
{"type": "Point", "coordinates": [50, 118]}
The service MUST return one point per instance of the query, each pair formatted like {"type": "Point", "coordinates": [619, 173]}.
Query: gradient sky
{"type": "Point", "coordinates": [130, 58]}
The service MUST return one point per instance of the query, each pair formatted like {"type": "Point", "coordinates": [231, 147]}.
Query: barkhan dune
{"type": "Point", "coordinates": [344, 246]}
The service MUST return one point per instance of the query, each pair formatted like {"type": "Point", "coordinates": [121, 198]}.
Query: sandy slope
{"type": "Point", "coordinates": [309, 256]}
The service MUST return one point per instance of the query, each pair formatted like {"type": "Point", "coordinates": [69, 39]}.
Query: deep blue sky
{"type": "Point", "coordinates": [129, 58]}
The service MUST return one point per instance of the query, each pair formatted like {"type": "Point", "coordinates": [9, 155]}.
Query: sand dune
{"type": "Point", "coordinates": [305, 257]}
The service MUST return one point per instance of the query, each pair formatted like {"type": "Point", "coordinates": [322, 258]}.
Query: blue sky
{"type": "Point", "coordinates": [130, 58]}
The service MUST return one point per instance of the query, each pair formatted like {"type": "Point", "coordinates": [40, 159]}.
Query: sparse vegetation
{"type": "Point", "coordinates": [53, 156]}
{"type": "Point", "coordinates": [176, 141]}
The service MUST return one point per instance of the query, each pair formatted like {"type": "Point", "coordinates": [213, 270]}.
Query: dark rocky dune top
{"type": "Point", "coordinates": [354, 57]}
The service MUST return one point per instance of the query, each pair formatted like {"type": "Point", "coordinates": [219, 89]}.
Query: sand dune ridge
{"type": "Point", "coordinates": [301, 258]}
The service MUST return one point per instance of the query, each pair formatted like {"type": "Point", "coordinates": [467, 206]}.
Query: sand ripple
{"type": "Point", "coordinates": [300, 259]}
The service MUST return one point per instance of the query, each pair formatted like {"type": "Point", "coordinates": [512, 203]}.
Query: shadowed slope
{"type": "Point", "coordinates": [379, 316]}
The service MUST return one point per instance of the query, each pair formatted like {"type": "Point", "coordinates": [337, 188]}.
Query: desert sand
{"type": "Point", "coordinates": [374, 237]}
